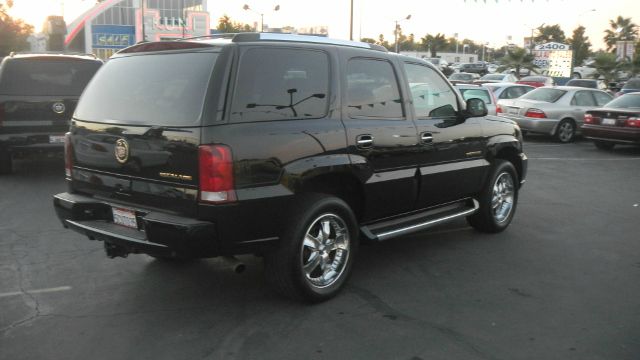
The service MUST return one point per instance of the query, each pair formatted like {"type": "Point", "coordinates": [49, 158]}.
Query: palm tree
{"type": "Point", "coordinates": [434, 43]}
{"type": "Point", "coordinates": [549, 33]}
{"type": "Point", "coordinates": [606, 66]}
{"type": "Point", "coordinates": [517, 58]}
{"type": "Point", "coordinates": [621, 29]}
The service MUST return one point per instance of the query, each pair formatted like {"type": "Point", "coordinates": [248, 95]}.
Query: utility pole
{"type": "Point", "coordinates": [351, 23]}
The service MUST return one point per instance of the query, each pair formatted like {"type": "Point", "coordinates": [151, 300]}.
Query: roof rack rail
{"type": "Point", "coordinates": [13, 53]}
{"type": "Point", "coordinates": [266, 36]}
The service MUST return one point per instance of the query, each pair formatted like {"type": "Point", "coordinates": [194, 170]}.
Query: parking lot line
{"type": "Point", "coordinates": [588, 159]}
{"type": "Point", "coordinates": [37, 291]}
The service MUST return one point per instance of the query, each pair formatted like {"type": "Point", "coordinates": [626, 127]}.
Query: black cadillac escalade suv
{"type": "Point", "coordinates": [291, 147]}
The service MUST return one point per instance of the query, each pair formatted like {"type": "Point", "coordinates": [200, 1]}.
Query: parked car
{"type": "Point", "coordinates": [38, 94]}
{"type": "Point", "coordinates": [508, 90]}
{"type": "Point", "coordinates": [588, 83]}
{"type": "Point", "coordinates": [290, 147]}
{"type": "Point", "coordinates": [441, 64]}
{"type": "Point", "coordinates": [584, 72]}
{"type": "Point", "coordinates": [496, 78]}
{"type": "Point", "coordinates": [632, 85]}
{"type": "Point", "coordinates": [471, 91]}
{"type": "Point", "coordinates": [463, 78]}
{"type": "Point", "coordinates": [618, 122]}
{"type": "Point", "coordinates": [536, 81]}
{"type": "Point", "coordinates": [557, 111]}
{"type": "Point", "coordinates": [476, 68]}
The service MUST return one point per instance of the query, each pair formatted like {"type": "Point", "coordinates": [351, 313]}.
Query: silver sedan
{"type": "Point", "coordinates": [554, 110]}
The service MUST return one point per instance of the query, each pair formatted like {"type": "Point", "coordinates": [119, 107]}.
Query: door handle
{"type": "Point", "coordinates": [364, 141]}
{"type": "Point", "coordinates": [426, 137]}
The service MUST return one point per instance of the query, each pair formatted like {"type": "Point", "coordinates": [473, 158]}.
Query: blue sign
{"type": "Point", "coordinates": [113, 36]}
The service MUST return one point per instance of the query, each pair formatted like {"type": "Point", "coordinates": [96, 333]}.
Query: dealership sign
{"type": "Point", "coordinates": [553, 59]}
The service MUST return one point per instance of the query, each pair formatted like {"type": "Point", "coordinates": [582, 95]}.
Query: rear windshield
{"type": "Point", "coordinates": [458, 76]}
{"type": "Point", "coordinates": [546, 95]}
{"type": "Point", "coordinates": [493, 77]}
{"type": "Point", "coordinates": [632, 84]}
{"type": "Point", "coordinates": [43, 77]}
{"type": "Point", "coordinates": [160, 89]}
{"type": "Point", "coordinates": [629, 101]}
{"type": "Point", "coordinates": [582, 83]}
{"type": "Point", "coordinates": [481, 94]}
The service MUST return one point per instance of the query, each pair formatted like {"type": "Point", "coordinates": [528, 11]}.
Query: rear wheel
{"type": "Point", "coordinates": [6, 164]}
{"type": "Point", "coordinates": [566, 131]}
{"type": "Point", "coordinates": [604, 145]}
{"type": "Point", "coordinates": [316, 252]}
{"type": "Point", "coordinates": [576, 75]}
{"type": "Point", "coordinates": [497, 200]}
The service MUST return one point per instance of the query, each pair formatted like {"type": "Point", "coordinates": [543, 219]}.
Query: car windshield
{"type": "Point", "coordinates": [160, 89]}
{"type": "Point", "coordinates": [628, 101]}
{"type": "Point", "coordinates": [632, 84]}
{"type": "Point", "coordinates": [481, 94]}
{"type": "Point", "coordinates": [46, 76]}
{"type": "Point", "coordinates": [459, 76]}
{"type": "Point", "coordinates": [582, 83]}
{"type": "Point", "coordinates": [492, 77]}
{"type": "Point", "coordinates": [546, 95]}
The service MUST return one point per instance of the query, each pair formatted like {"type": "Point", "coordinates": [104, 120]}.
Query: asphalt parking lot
{"type": "Point", "coordinates": [562, 282]}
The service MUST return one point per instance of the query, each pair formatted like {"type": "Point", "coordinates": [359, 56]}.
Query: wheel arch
{"type": "Point", "coordinates": [508, 148]}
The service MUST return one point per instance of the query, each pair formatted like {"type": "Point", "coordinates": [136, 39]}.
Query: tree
{"type": "Point", "coordinates": [225, 25]}
{"type": "Point", "coordinates": [631, 67]}
{"type": "Point", "coordinates": [517, 58]}
{"type": "Point", "coordinates": [433, 43]}
{"type": "Point", "coordinates": [368, 40]}
{"type": "Point", "coordinates": [13, 32]}
{"type": "Point", "coordinates": [549, 33]}
{"type": "Point", "coordinates": [580, 45]}
{"type": "Point", "coordinates": [382, 42]}
{"type": "Point", "coordinates": [606, 66]}
{"type": "Point", "coordinates": [621, 29]}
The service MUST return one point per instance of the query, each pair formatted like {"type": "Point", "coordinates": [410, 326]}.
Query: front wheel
{"type": "Point", "coordinates": [497, 200]}
{"type": "Point", "coordinates": [316, 252]}
{"type": "Point", "coordinates": [566, 131]}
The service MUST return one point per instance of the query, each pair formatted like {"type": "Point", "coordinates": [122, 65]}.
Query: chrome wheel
{"type": "Point", "coordinates": [565, 131]}
{"type": "Point", "coordinates": [502, 198]}
{"type": "Point", "coordinates": [325, 250]}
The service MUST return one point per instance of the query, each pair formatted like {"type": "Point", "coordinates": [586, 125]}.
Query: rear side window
{"type": "Point", "coordinates": [546, 95]}
{"type": "Point", "coordinates": [372, 90]}
{"type": "Point", "coordinates": [514, 92]}
{"type": "Point", "coordinates": [583, 98]}
{"type": "Point", "coordinates": [159, 89]}
{"type": "Point", "coordinates": [46, 76]}
{"type": "Point", "coordinates": [601, 98]}
{"type": "Point", "coordinates": [281, 84]}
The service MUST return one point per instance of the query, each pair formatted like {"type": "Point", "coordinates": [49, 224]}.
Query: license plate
{"type": "Point", "coordinates": [124, 217]}
{"type": "Point", "coordinates": [608, 121]}
{"type": "Point", "coordinates": [512, 110]}
{"type": "Point", "coordinates": [56, 139]}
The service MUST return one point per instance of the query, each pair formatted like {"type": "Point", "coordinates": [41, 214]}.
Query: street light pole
{"type": "Point", "coordinates": [248, 8]}
{"type": "Point", "coordinates": [396, 31]}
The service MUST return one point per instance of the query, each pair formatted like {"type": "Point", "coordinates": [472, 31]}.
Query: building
{"type": "Point", "coordinates": [112, 25]}
{"type": "Point", "coordinates": [448, 57]}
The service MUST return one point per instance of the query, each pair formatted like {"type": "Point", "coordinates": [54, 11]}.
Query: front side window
{"type": "Point", "coordinates": [481, 94]}
{"type": "Point", "coordinates": [432, 96]}
{"type": "Point", "coordinates": [372, 90]}
{"type": "Point", "coordinates": [281, 84]}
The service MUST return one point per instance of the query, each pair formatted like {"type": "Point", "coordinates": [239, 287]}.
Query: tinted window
{"type": "Point", "coordinates": [601, 98]}
{"type": "Point", "coordinates": [167, 89]}
{"type": "Point", "coordinates": [632, 84]}
{"type": "Point", "coordinates": [281, 84]}
{"type": "Point", "coordinates": [582, 83]}
{"type": "Point", "coordinates": [625, 102]}
{"type": "Point", "coordinates": [514, 92]}
{"type": "Point", "coordinates": [481, 94]}
{"type": "Point", "coordinates": [459, 76]}
{"type": "Point", "coordinates": [546, 95]}
{"type": "Point", "coordinates": [583, 98]}
{"type": "Point", "coordinates": [431, 95]}
{"type": "Point", "coordinates": [46, 77]}
{"type": "Point", "coordinates": [372, 90]}
{"type": "Point", "coordinates": [493, 77]}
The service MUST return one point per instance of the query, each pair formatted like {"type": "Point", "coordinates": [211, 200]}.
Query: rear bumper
{"type": "Point", "coordinates": [33, 142]}
{"type": "Point", "coordinates": [157, 234]}
{"type": "Point", "coordinates": [618, 135]}
{"type": "Point", "coordinates": [543, 126]}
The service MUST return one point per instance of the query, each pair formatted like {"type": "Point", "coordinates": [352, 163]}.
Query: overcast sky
{"type": "Point", "coordinates": [491, 22]}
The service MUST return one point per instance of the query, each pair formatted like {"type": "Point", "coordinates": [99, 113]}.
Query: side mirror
{"type": "Point", "coordinates": [476, 108]}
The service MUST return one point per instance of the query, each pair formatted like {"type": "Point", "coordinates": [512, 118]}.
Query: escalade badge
{"type": "Point", "coordinates": [58, 108]}
{"type": "Point", "coordinates": [122, 151]}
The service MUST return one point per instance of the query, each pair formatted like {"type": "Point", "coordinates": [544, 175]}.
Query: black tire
{"type": "Point", "coordinates": [284, 265]}
{"type": "Point", "coordinates": [6, 163]}
{"type": "Point", "coordinates": [487, 219]}
{"type": "Point", "coordinates": [576, 75]}
{"type": "Point", "coordinates": [566, 131]}
{"type": "Point", "coordinates": [604, 145]}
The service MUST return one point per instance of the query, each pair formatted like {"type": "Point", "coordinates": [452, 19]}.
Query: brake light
{"type": "Point", "coordinates": [588, 118]}
{"type": "Point", "coordinates": [498, 109]}
{"type": "Point", "coordinates": [68, 155]}
{"type": "Point", "coordinates": [632, 122]}
{"type": "Point", "coordinates": [535, 113]}
{"type": "Point", "coordinates": [493, 98]}
{"type": "Point", "coordinates": [216, 174]}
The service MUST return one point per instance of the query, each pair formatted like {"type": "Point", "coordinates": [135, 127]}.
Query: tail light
{"type": "Point", "coordinates": [633, 122]}
{"type": "Point", "coordinates": [493, 98]}
{"type": "Point", "coordinates": [498, 109]}
{"type": "Point", "coordinates": [588, 119]}
{"type": "Point", "coordinates": [68, 155]}
{"type": "Point", "coordinates": [535, 113]}
{"type": "Point", "coordinates": [216, 174]}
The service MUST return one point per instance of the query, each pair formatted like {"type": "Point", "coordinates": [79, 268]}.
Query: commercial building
{"type": "Point", "coordinates": [112, 25]}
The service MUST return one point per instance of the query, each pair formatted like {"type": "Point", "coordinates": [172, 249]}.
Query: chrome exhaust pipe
{"type": "Point", "coordinates": [234, 264]}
